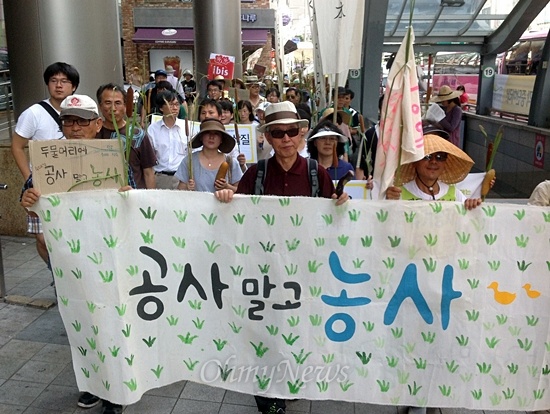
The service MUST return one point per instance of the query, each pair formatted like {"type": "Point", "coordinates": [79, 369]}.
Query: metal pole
{"type": "Point", "coordinates": [2, 281]}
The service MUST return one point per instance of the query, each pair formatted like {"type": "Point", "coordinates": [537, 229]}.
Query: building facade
{"type": "Point", "coordinates": [158, 33]}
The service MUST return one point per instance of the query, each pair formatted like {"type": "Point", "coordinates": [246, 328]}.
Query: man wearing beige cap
{"type": "Point", "coordinates": [80, 120]}
{"type": "Point", "coordinates": [284, 174]}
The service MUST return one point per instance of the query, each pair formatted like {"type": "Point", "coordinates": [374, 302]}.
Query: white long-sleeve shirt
{"type": "Point", "coordinates": [170, 144]}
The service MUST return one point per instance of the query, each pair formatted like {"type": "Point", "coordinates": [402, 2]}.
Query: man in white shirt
{"type": "Point", "coordinates": [169, 140]}
{"type": "Point", "coordinates": [40, 122]}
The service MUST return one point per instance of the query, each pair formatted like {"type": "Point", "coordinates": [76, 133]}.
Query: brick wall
{"type": "Point", "coordinates": [136, 54]}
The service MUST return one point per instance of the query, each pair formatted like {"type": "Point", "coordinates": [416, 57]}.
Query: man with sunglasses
{"type": "Point", "coordinates": [293, 95]}
{"type": "Point", "coordinates": [433, 177]}
{"type": "Point", "coordinates": [286, 174]}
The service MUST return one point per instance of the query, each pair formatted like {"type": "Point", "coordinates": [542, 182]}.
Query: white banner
{"type": "Point", "coordinates": [340, 31]}
{"type": "Point", "coordinates": [401, 303]}
{"type": "Point", "coordinates": [401, 140]}
{"type": "Point", "coordinates": [319, 75]}
{"type": "Point", "coordinates": [513, 93]}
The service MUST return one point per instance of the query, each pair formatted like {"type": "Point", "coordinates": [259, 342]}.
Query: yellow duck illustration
{"type": "Point", "coordinates": [504, 298]}
{"type": "Point", "coordinates": [533, 294]}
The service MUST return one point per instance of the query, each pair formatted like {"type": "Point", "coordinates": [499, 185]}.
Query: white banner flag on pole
{"type": "Point", "coordinates": [340, 33]}
{"type": "Point", "coordinates": [320, 90]}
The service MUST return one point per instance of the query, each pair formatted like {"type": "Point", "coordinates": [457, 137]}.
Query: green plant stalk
{"type": "Point", "coordinates": [120, 146]}
{"type": "Point", "coordinates": [496, 143]}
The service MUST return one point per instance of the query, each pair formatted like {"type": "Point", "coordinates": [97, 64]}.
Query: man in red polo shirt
{"type": "Point", "coordinates": [286, 174]}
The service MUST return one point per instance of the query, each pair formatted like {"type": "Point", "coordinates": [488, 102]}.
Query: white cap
{"type": "Point", "coordinates": [81, 106]}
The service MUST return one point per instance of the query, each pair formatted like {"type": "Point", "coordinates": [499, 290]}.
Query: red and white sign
{"type": "Point", "coordinates": [221, 65]}
{"type": "Point", "coordinates": [539, 151]}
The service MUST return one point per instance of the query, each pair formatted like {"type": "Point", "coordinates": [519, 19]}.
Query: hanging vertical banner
{"type": "Point", "coordinates": [320, 89]}
{"type": "Point", "coordinates": [401, 140]}
{"type": "Point", "coordinates": [279, 54]}
{"type": "Point", "coordinates": [340, 34]}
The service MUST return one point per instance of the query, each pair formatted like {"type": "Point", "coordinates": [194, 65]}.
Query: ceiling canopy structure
{"type": "Point", "coordinates": [460, 24]}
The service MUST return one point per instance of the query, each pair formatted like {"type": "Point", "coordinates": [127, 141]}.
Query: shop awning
{"type": "Point", "coordinates": [254, 37]}
{"type": "Point", "coordinates": [250, 37]}
{"type": "Point", "coordinates": [164, 36]}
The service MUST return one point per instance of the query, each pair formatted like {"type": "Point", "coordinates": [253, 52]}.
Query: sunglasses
{"type": "Point", "coordinates": [279, 133]}
{"type": "Point", "coordinates": [438, 156]}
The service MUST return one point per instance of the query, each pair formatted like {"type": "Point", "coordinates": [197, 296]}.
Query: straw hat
{"type": "Point", "coordinates": [211, 124]}
{"type": "Point", "coordinates": [282, 113]}
{"type": "Point", "coordinates": [457, 166]}
{"type": "Point", "coordinates": [328, 132]}
{"type": "Point", "coordinates": [327, 114]}
{"type": "Point", "coordinates": [251, 80]}
{"type": "Point", "coordinates": [446, 94]}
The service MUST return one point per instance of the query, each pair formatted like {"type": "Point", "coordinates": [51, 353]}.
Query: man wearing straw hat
{"type": "Point", "coordinates": [434, 176]}
{"type": "Point", "coordinates": [286, 174]}
{"type": "Point", "coordinates": [253, 85]}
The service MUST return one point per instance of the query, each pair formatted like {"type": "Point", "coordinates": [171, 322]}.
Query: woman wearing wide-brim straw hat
{"type": "Point", "coordinates": [434, 176]}
{"type": "Point", "coordinates": [450, 101]}
{"type": "Point", "coordinates": [216, 145]}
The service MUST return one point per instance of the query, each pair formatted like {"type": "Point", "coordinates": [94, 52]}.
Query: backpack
{"type": "Point", "coordinates": [313, 177]}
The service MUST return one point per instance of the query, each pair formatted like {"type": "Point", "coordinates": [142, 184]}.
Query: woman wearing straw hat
{"type": "Point", "coordinates": [201, 175]}
{"type": "Point", "coordinates": [434, 176]}
{"type": "Point", "coordinates": [450, 101]}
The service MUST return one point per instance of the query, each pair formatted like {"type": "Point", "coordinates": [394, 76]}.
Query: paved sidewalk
{"type": "Point", "coordinates": [36, 373]}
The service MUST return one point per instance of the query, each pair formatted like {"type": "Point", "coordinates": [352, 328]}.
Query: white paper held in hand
{"type": "Point", "coordinates": [434, 113]}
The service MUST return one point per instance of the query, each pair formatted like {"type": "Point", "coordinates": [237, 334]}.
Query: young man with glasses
{"type": "Point", "coordinates": [169, 140]}
{"type": "Point", "coordinates": [286, 174]}
{"type": "Point", "coordinates": [214, 90]}
{"type": "Point", "coordinates": [40, 122]}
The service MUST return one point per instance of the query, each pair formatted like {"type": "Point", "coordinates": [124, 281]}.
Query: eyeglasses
{"type": "Point", "coordinates": [290, 96]}
{"type": "Point", "coordinates": [279, 133]}
{"type": "Point", "coordinates": [79, 122]}
{"type": "Point", "coordinates": [438, 156]}
{"type": "Point", "coordinates": [328, 138]}
{"type": "Point", "coordinates": [61, 81]}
